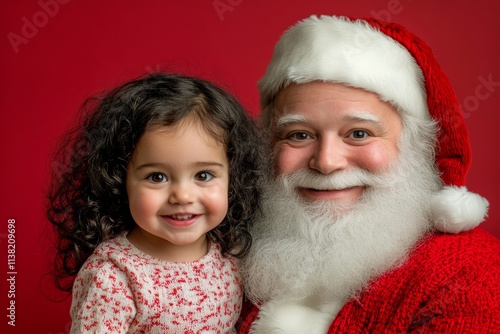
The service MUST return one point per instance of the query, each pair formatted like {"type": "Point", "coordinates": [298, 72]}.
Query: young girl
{"type": "Point", "coordinates": [151, 207]}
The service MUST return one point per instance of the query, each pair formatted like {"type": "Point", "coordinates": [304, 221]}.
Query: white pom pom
{"type": "Point", "coordinates": [455, 209]}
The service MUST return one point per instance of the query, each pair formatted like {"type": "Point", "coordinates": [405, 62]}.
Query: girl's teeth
{"type": "Point", "coordinates": [181, 217]}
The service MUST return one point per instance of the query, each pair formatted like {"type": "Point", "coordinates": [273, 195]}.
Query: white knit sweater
{"type": "Point", "coordinates": [120, 289]}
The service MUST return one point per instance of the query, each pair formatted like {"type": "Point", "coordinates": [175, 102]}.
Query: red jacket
{"type": "Point", "coordinates": [449, 284]}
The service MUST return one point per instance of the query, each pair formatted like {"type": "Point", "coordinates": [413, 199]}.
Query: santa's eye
{"type": "Point", "coordinates": [359, 134]}
{"type": "Point", "coordinates": [299, 136]}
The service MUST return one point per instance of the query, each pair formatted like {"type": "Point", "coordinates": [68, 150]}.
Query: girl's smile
{"type": "Point", "coordinates": [181, 220]}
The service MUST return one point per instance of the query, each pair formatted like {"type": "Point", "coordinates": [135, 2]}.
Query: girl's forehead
{"type": "Point", "coordinates": [178, 146]}
{"type": "Point", "coordinates": [188, 124]}
{"type": "Point", "coordinates": [188, 134]}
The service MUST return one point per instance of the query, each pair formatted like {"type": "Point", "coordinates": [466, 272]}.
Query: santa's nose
{"type": "Point", "coordinates": [329, 156]}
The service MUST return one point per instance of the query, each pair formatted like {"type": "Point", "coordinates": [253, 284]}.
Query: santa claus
{"type": "Point", "coordinates": [369, 158]}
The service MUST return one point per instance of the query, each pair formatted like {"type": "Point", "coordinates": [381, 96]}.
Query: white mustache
{"type": "Point", "coordinates": [344, 179]}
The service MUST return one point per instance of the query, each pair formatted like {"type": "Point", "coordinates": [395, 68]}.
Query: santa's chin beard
{"type": "Point", "coordinates": [315, 252]}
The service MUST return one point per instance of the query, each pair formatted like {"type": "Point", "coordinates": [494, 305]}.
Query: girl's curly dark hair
{"type": "Point", "coordinates": [87, 199]}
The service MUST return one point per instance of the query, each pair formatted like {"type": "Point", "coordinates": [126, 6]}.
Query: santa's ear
{"type": "Point", "coordinates": [455, 209]}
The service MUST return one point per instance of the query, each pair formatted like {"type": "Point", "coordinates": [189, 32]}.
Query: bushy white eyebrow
{"type": "Point", "coordinates": [363, 116]}
{"type": "Point", "coordinates": [285, 120]}
{"type": "Point", "coordinates": [356, 116]}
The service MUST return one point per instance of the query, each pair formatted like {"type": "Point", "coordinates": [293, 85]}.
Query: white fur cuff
{"type": "Point", "coordinates": [290, 318]}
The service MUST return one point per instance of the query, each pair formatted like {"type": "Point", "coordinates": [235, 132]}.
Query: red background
{"type": "Point", "coordinates": [53, 57]}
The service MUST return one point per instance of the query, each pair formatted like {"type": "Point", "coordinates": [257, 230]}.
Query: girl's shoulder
{"type": "Point", "coordinates": [116, 252]}
{"type": "Point", "coordinates": [116, 245]}
{"type": "Point", "coordinates": [215, 258]}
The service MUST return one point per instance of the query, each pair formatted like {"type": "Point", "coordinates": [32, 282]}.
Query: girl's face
{"type": "Point", "coordinates": [177, 187]}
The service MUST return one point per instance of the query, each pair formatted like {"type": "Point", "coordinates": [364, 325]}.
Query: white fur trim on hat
{"type": "Point", "coordinates": [454, 209]}
{"type": "Point", "coordinates": [335, 49]}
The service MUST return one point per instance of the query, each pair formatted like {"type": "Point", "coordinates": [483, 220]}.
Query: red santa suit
{"type": "Point", "coordinates": [449, 284]}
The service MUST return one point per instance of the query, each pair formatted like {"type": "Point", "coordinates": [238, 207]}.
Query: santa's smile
{"type": "Point", "coordinates": [331, 194]}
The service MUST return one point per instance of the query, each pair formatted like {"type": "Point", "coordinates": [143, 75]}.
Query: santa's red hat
{"type": "Point", "coordinates": [387, 59]}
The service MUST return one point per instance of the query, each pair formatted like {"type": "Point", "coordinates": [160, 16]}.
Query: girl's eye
{"type": "Point", "coordinates": [204, 176]}
{"type": "Point", "coordinates": [298, 136]}
{"type": "Point", "coordinates": [157, 177]}
{"type": "Point", "coordinates": [359, 134]}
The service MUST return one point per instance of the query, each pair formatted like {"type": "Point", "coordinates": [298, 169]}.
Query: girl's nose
{"type": "Point", "coordinates": [181, 193]}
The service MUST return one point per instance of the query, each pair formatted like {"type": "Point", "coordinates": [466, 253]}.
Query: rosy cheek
{"type": "Point", "coordinates": [142, 203]}
{"type": "Point", "coordinates": [376, 159]}
{"type": "Point", "coordinates": [216, 194]}
{"type": "Point", "coordinates": [136, 207]}
{"type": "Point", "coordinates": [216, 199]}
{"type": "Point", "coordinates": [290, 159]}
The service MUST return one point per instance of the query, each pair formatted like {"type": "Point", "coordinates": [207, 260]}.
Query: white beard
{"type": "Point", "coordinates": [322, 253]}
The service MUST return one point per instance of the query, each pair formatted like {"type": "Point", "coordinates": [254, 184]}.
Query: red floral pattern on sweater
{"type": "Point", "coordinates": [120, 289]}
